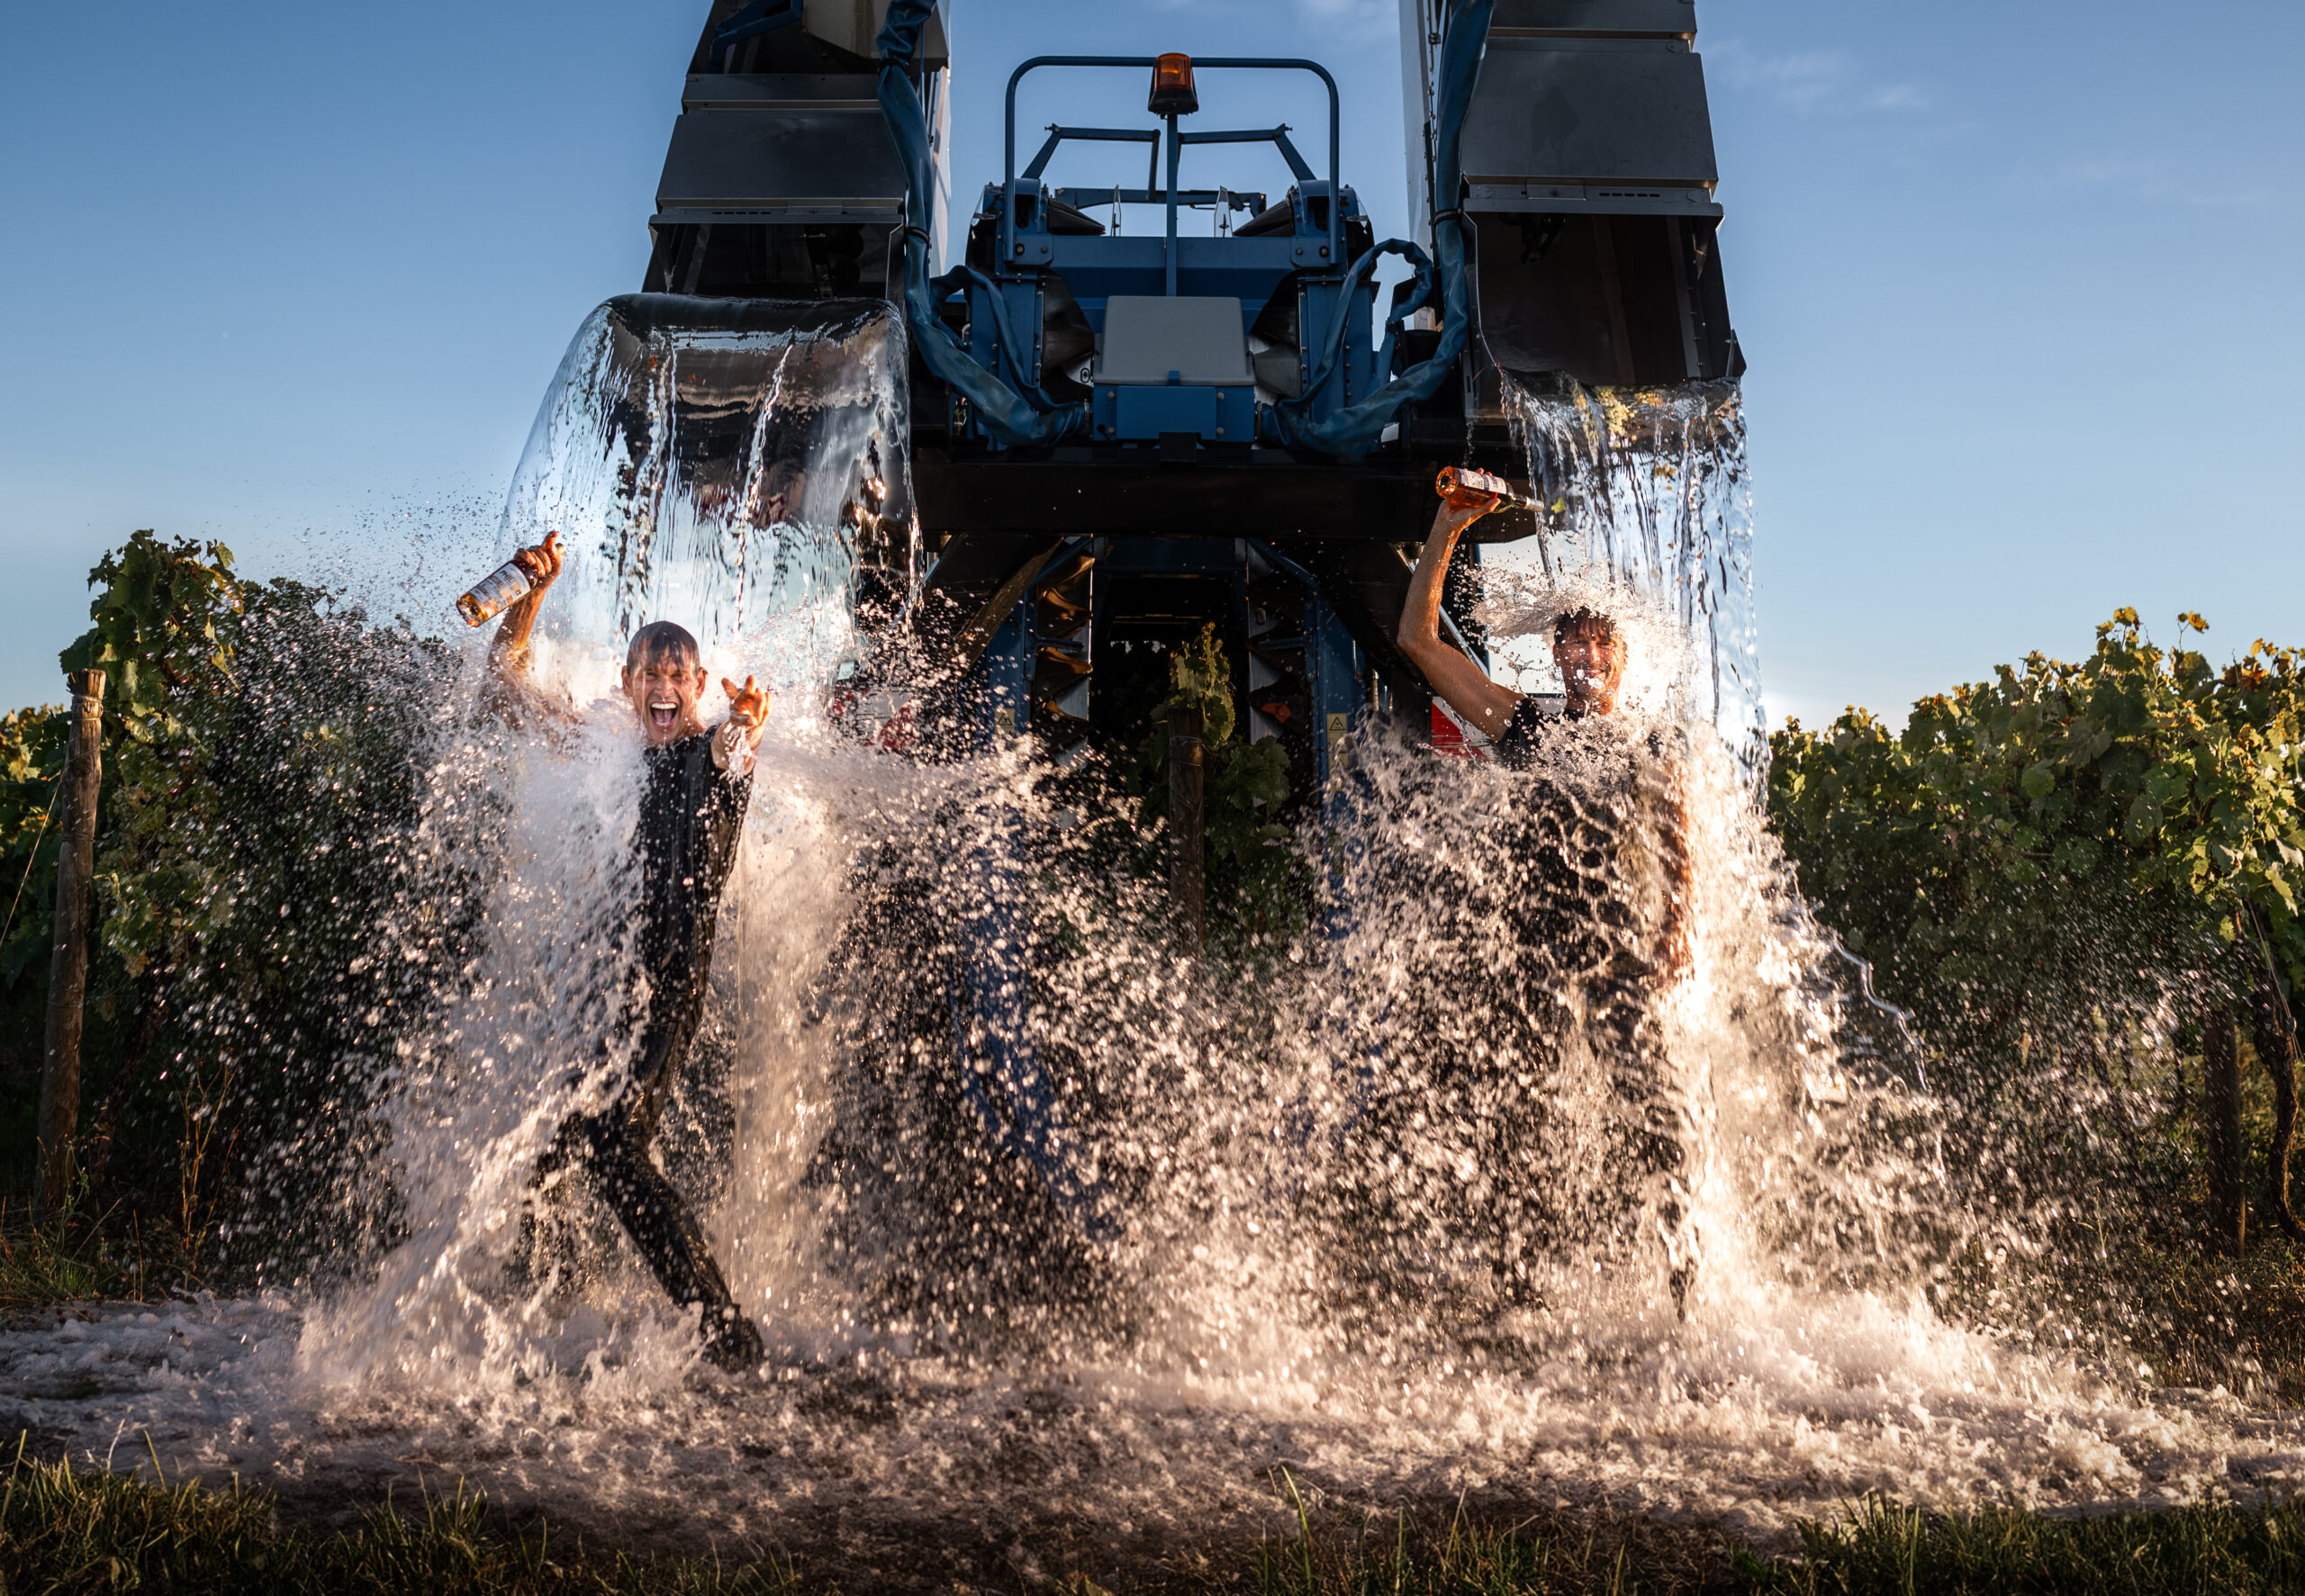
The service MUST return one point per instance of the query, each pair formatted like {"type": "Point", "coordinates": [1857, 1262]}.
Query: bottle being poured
{"type": "Point", "coordinates": [1462, 487]}
{"type": "Point", "coordinates": [501, 589]}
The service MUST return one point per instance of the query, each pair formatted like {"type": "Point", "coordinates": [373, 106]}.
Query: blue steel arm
{"type": "Point", "coordinates": [1006, 414]}
{"type": "Point", "coordinates": [1210, 63]}
{"type": "Point", "coordinates": [1276, 137]}
{"type": "Point", "coordinates": [1297, 165]}
{"type": "Point", "coordinates": [1057, 136]}
{"type": "Point", "coordinates": [1168, 193]}
{"type": "Point", "coordinates": [1153, 137]}
{"type": "Point", "coordinates": [1242, 136]}
{"type": "Point", "coordinates": [1083, 198]}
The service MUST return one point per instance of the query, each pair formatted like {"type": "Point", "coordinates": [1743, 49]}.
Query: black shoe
{"type": "Point", "coordinates": [732, 1343]}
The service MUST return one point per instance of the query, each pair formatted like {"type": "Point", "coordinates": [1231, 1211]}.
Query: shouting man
{"type": "Point", "coordinates": [691, 816]}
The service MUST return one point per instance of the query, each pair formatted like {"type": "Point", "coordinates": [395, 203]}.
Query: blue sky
{"type": "Point", "coordinates": [2017, 285]}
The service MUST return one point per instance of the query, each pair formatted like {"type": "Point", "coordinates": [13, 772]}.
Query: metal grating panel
{"type": "Point", "coordinates": [1559, 110]}
{"type": "Point", "coordinates": [782, 160]}
{"type": "Point", "coordinates": [1628, 19]}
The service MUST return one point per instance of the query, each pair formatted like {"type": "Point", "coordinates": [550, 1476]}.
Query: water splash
{"type": "Point", "coordinates": [712, 461]}
{"type": "Point", "coordinates": [1654, 516]}
{"type": "Point", "coordinates": [1457, 1189]}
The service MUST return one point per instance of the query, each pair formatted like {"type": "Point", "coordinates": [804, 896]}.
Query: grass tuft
{"type": "Point", "coordinates": [1469, 1554]}
{"type": "Point", "coordinates": [68, 1531]}
{"type": "Point", "coordinates": [1881, 1545]}
{"type": "Point", "coordinates": [71, 1259]}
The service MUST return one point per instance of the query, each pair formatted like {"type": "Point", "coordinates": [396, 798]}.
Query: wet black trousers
{"type": "Point", "coordinates": [612, 1149]}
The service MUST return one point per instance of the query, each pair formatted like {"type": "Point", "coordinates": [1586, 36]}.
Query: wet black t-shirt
{"type": "Point", "coordinates": [1575, 832]}
{"type": "Point", "coordinates": [1522, 742]}
{"type": "Point", "coordinates": [1518, 743]}
{"type": "Point", "coordinates": [692, 818]}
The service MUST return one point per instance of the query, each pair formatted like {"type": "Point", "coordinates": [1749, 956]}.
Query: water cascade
{"type": "Point", "coordinates": [717, 461]}
{"type": "Point", "coordinates": [1427, 1191]}
{"type": "Point", "coordinates": [1433, 1188]}
{"type": "Point", "coordinates": [1650, 512]}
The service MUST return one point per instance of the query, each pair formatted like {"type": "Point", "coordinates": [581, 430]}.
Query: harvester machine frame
{"type": "Point", "coordinates": [1117, 441]}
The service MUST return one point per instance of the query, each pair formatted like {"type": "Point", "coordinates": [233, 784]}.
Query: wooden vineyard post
{"type": "Point", "coordinates": [2228, 1208]}
{"type": "Point", "coordinates": [1188, 862]}
{"type": "Point", "coordinates": [67, 978]}
{"type": "Point", "coordinates": [2277, 1042]}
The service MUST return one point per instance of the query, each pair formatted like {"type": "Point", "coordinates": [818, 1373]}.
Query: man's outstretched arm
{"type": "Point", "coordinates": [1451, 674]}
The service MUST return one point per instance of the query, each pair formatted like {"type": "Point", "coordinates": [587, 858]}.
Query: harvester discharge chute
{"type": "Point", "coordinates": [1118, 441]}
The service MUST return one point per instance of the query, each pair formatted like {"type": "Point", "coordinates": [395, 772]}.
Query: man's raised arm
{"type": "Point", "coordinates": [738, 738]}
{"type": "Point", "coordinates": [508, 656]}
{"type": "Point", "coordinates": [1449, 671]}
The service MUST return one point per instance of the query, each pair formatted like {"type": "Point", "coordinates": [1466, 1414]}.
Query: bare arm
{"type": "Point", "coordinates": [1451, 674]}
{"type": "Point", "coordinates": [508, 656]}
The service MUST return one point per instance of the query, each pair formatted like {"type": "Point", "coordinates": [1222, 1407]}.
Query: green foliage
{"type": "Point", "coordinates": [2058, 870]}
{"type": "Point", "coordinates": [1255, 880]}
{"type": "Point", "coordinates": [271, 910]}
{"type": "Point", "coordinates": [1199, 675]}
{"type": "Point", "coordinates": [68, 1529]}
{"type": "Point", "coordinates": [31, 756]}
{"type": "Point", "coordinates": [2052, 824]}
{"type": "Point", "coordinates": [166, 619]}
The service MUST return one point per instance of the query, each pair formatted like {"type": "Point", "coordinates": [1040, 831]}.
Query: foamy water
{"type": "Point", "coordinates": [1379, 1215]}
{"type": "Point", "coordinates": [1786, 1406]}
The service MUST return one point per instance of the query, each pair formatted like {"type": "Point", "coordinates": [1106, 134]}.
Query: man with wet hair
{"type": "Point", "coordinates": [692, 818]}
{"type": "Point", "coordinates": [1595, 902]}
{"type": "Point", "coordinates": [1586, 646]}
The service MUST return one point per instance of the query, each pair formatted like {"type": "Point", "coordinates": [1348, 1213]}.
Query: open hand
{"type": "Point", "coordinates": [739, 734]}
{"type": "Point", "coordinates": [749, 703]}
{"type": "Point", "coordinates": [542, 563]}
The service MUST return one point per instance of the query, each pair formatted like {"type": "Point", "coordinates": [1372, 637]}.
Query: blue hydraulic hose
{"type": "Point", "coordinates": [1353, 431]}
{"type": "Point", "coordinates": [1008, 416]}
{"type": "Point", "coordinates": [950, 282]}
{"type": "Point", "coordinates": [1420, 296]}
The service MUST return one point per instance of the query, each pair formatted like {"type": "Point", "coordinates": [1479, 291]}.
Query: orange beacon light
{"type": "Point", "coordinates": [1173, 94]}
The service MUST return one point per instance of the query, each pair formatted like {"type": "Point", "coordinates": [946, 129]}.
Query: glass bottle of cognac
{"type": "Point", "coordinates": [1463, 487]}
{"type": "Point", "coordinates": [501, 589]}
